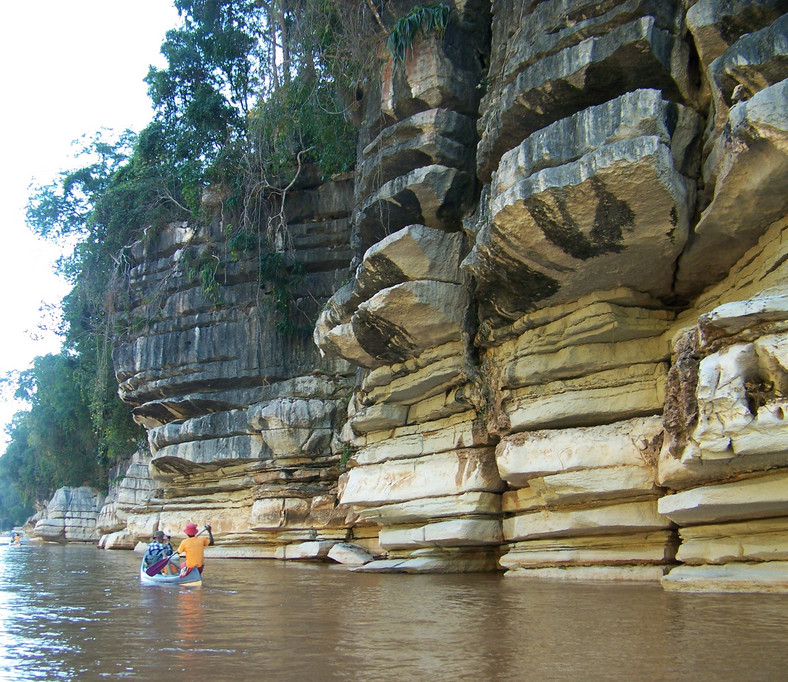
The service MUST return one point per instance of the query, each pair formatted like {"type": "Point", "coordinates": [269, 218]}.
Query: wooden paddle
{"type": "Point", "coordinates": [153, 569]}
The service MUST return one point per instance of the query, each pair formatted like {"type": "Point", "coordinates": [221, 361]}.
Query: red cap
{"type": "Point", "coordinates": [190, 530]}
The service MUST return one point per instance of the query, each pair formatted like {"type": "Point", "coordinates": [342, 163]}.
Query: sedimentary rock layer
{"type": "Point", "coordinates": [71, 516]}
{"type": "Point", "coordinates": [610, 209]}
{"type": "Point", "coordinates": [561, 352]}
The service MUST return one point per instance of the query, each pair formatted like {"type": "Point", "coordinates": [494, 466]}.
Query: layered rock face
{"type": "Point", "coordinates": [610, 351]}
{"type": "Point", "coordinates": [127, 500]}
{"type": "Point", "coordinates": [423, 469]}
{"type": "Point", "coordinates": [725, 449]}
{"type": "Point", "coordinates": [71, 516]}
{"type": "Point", "coordinates": [725, 437]}
{"type": "Point", "coordinates": [241, 416]}
{"type": "Point", "coordinates": [562, 349]}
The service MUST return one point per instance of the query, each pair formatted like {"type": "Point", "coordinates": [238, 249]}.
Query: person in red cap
{"type": "Point", "coordinates": [194, 548]}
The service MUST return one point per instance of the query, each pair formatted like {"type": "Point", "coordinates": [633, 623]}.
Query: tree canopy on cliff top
{"type": "Point", "coordinates": [250, 86]}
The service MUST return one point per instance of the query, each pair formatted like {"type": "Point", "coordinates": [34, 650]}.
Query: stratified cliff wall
{"type": "Point", "coordinates": [70, 516]}
{"type": "Point", "coordinates": [562, 348]}
{"type": "Point", "coordinates": [241, 417]}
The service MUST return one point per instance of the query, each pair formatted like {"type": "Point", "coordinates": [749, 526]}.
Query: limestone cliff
{"type": "Point", "coordinates": [241, 417]}
{"type": "Point", "coordinates": [70, 516]}
{"type": "Point", "coordinates": [561, 350]}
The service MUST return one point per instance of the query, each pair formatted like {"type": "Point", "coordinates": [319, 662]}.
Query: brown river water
{"type": "Point", "coordinates": [76, 612]}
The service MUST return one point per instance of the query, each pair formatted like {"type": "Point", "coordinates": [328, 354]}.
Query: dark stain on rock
{"type": "Point", "coordinates": [776, 265]}
{"type": "Point", "coordinates": [512, 290]}
{"type": "Point", "coordinates": [611, 218]}
{"type": "Point", "coordinates": [404, 208]}
{"type": "Point", "coordinates": [175, 465]}
{"type": "Point", "coordinates": [384, 271]}
{"type": "Point", "coordinates": [749, 19]}
{"type": "Point", "coordinates": [559, 227]}
{"type": "Point", "coordinates": [674, 221]}
{"type": "Point", "coordinates": [680, 413]}
{"type": "Point", "coordinates": [385, 215]}
{"type": "Point", "coordinates": [382, 339]}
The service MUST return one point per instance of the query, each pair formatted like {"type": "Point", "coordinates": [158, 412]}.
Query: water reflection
{"type": "Point", "coordinates": [80, 613]}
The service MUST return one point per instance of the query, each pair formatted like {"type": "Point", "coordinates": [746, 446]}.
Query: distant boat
{"type": "Point", "coordinates": [13, 538]}
{"type": "Point", "coordinates": [193, 578]}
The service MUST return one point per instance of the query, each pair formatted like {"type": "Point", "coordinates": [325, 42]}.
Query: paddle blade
{"type": "Point", "coordinates": [153, 569]}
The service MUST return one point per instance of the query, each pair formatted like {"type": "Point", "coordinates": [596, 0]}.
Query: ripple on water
{"type": "Point", "coordinates": [78, 613]}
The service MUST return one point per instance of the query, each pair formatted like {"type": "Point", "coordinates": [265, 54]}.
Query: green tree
{"type": "Point", "coordinates": [203, 96]}
{"type": "Point", "coordinates": [103, 205]}
{"type": "Point", "coordinates": [14, 511]}
{"type": "Point", "coordinates": [249, 94]}
{"type": "Point", "coordinates": [18, 474]}
{"type": "Point", "coordinates": [53, 444]}
{"type": "Point", "coordinates": [252, 90]}
{"type": "Point", "coordinates": [248, 85]}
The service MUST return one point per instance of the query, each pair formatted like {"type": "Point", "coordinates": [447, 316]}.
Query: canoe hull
{"type": "Point", "coordinates": [191, 579]}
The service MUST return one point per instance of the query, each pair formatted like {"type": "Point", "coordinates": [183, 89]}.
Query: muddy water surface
{"type": "Point", "coordinates": [79, 613]}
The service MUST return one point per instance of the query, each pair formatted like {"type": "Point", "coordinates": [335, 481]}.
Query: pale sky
{"type": "Point", "coordinates": [69, 69]}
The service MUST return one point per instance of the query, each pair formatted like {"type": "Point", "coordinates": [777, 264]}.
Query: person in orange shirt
{"type": "Point", "coordinates": [194, 548]}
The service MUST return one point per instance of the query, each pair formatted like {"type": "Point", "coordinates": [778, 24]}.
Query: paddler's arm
{"type": "Point", "coordinates": [210, 535]}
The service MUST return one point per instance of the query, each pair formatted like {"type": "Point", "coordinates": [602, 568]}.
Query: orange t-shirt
{"type": "Point", "coordinates": [194, 548]}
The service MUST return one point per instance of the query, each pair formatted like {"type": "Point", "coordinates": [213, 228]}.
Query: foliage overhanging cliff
{"type": "Point", "coordinates": [559, 349]}
{"type": "Point", "coordinates": [253, 94]}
